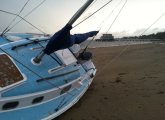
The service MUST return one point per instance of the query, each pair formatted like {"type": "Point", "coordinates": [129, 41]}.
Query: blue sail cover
{"type": "Point", "coordinates": [79, 38]}
{"type": "Point", "coordinates": [62, 39]}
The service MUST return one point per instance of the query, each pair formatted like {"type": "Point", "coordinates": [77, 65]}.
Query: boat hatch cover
{"type": "Point", "coordinates": [9, 73]}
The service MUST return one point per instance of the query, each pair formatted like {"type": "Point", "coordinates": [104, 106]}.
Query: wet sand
{"type": "Point", "coordinates": [129, 85]}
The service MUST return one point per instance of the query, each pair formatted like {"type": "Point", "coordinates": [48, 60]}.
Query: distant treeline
{"type": "Point", "coordinates": [159, 35]}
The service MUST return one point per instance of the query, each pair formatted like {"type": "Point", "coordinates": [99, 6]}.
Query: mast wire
{"type": "Point", "coordinates": [108, 16]}
{"type": "Point", "coordinates": [6, 29]}
{"type": "Point", "coordinates": [92, 14]}
{"type": "Point", "coordinates": [116, 16]}
{"type": "Point", "coordinates": [22, 18]}
{"type": "Point", "coordinates": [103, 24]}
{"type": "Point", "coordinates": [152, 24]}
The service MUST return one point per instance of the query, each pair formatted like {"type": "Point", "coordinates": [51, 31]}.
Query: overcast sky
{"type": "Point", "coordinates": [136, 16]}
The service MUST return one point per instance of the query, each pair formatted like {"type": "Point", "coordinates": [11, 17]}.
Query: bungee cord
{"type": "Point", "coordinates": [100, 24]}
{"type": "Point", "coordinates": [32, 71]}
{"type": "Point", "coordinates": [104, 21]}
{"type": "Point", "coordinates": [109, 15]}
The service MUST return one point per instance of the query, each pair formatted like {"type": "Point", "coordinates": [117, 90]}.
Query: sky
{"type": "Point", "coordinates": [52, 15]}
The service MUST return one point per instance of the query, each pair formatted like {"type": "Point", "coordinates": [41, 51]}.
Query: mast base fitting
{"type": "Point", "coordinates": [38, 58]}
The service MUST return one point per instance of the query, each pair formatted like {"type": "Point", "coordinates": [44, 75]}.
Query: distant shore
{"type": "Point", "coordinates": [98, 44]}
{"type": "Point", "coordinates": [129, 85]}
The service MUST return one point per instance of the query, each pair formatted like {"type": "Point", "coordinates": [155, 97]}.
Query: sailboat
{"type": "Point", "coordinates": [40, 80]}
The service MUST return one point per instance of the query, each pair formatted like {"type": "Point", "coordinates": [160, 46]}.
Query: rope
{"type": "Point", "coordinates": [92, 14]}
{"type": "Point", "coordinates": [91, 5]}
{"type": "Point", "coordinates": [116, 16]}
{"type": "Point", "coordinates": [102, 23]}
{"type": "Point", "coordinates": [6, 29]}
{"type": "Point", "coordinates": [33, 71]}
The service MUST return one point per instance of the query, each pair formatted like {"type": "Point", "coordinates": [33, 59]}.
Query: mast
{"type": "Point", "coordinates": [39, 57]}
{"type": "Point", "coordinates": [79, 12]}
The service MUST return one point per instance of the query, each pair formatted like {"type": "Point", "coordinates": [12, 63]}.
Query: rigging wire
{"type": "Point", "coordinates": [109, 15]}
{"type": "Point", "coordinates": [116, 16]}
{"type": "Point", "coordinates": [93, 13]}
{"type": "Point", "coordinates": [152, 24]}
{"type": "Point", "coordinates": [22, 18]}
{"type": "Point", "coordinates": [103, 23]}
{"type": "Point", "coordinates": [6, 29]}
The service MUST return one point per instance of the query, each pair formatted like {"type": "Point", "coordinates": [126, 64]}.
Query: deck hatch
{"type": "Point", "coordinates": [9, 73]}
{"type": "Point", "coordinates": [66, 56]}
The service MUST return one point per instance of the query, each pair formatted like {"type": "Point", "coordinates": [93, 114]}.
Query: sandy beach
{"type": "Point", "coordinates": [129, 85]}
